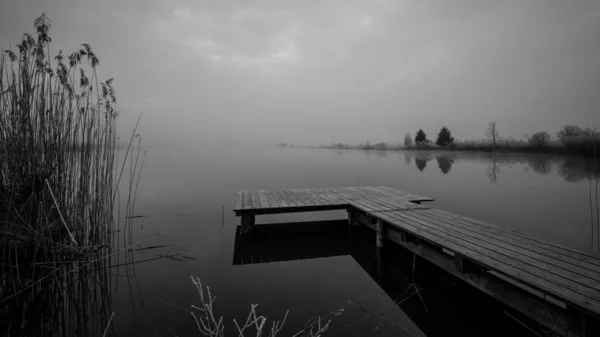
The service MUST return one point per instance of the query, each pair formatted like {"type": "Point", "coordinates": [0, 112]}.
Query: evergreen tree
{"type": "Point", "coordinates": [420, 137]}
{"type": "Point", "coordinates": [444, 137]}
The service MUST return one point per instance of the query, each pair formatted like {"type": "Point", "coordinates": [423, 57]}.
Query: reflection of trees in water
{"type": "Point", "coordinates": [540, 165]}
{"type": "Point", "coordinates": [570, 168]}
{"type": "Point", "coordinates": [377, 153]}
{"type": "Point", "coordinates": [445, 163]}
{"type": "Point", "coordinates": [380, 153]}
{"type": "Point", "coordinates": [421, 162]}
{"type": "Point", "coordinates": [408, 156]}
{"type": "Point", "coordinates": [576, 169]}
{"type": "Point", "coordinates": [493, 170]}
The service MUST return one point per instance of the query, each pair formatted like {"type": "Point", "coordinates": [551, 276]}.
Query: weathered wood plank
{"type": "Point", "coordinates": [239, 201]}
{"type": "Point", "coordinates": [384, 204]}
{"type": "Point", "coordinates": [373, 204]}
{"type": "Point", "coordinates": [387, 196]}
{"type": "Point", "coordinates": [389, 202]}
{"type": "Point", "coordinates": [323, 193]}
{"type": "Point", "coordinates": [295, 194]}
{"type": "Point", "coordinates": [312, 197]}
{"type": "Point", "coordinates": [255, 199]}
{"type": "Point", "coordinates": [287, 198]}
{"type": "Point", "coordinates": [353, 200]}
{"type": "Point", "coordinates": [303, 197]}
{"type": "Point", "coordinates": [561, 261]}
{"type": "Point", "coordinates": [318, 197]}
{"type": "Point", "coordinates": [510, 268]}
{"type": "Point", "coordinates": [279, 199]}
{"type": "Point", "coordinates": [589, 260]}
{"type": "Point", "coordinates": [264, 202]}
{"type": "Point", "coordinates": [271, 198]}
{"type": "Point", "coordinates": [247, 200]}
{"type": "Point", "coordinates": [406, 195]}
{"type": "Point", "coordinates": [294, 197]}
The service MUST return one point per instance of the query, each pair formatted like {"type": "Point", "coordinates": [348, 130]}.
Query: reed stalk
{"type": "Point", "coordinates": [58, 185]}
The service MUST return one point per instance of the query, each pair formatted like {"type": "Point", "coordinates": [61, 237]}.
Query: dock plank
{"type": "Point", "coordinates": [279, 199]}
{"type": "Point", "coordinates": [239, 201]}
{"type": "Point", "coordinates": [556, 250]}
{"type": "Point", "coordinates": [391, 199]}
{"type": "Point", "coordinates": [264, 202]}
{"type": "Point", "coordinates": [331, 199]}
{"type": "Point", "coordinates": [406, 195]}
{"type": "Point", "coordinates": [318, 197]}
{"type": "Point", "coordinates": [353, 200]}
{"type": "Point", "coordinates": [385, 203]}
{"type": "Point", "coordinates": [247, 200]}
{"type": "Point", "coordinates": [300, 193]}
{"type": "Point", "coordinates": [287, 198]}
{"type": "Point", "coordinates": [255, 199]}
{"type": "Point", "coordinates": [294, 197]}
{"type": "Point", "coordinates": [563, 261]}
{"type": "Point", "coordinates": [271, 198]}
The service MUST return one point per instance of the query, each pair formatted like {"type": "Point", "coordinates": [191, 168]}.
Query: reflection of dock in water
{"type": "Point", "coordinates": [555, 286]}
{"type": "Point", "coordinates": [291, 241]}
{"type": "Point", "coordinates": [451, 309]}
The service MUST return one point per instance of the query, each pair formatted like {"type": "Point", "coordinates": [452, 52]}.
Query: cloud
{"type": "Point", "coordinates": [271, 39]}
{"type": "Point", "coordinates": [182, 12]}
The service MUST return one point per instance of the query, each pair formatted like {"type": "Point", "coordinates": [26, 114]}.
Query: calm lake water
{"type": "Point", "coordinates": [189, 193]}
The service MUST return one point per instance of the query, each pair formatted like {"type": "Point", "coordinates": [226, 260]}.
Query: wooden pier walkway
{"type": "Point", "coordinates": [555, 286]}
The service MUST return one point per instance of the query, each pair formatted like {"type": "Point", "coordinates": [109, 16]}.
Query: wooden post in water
{"type": "Point", "coordinates": [352, 217]}
{"type": "Point", "coordinates": [380, 264]}
{"type": "Point", "coordinates": [380, 233]}
{"type": "Point", "coordinates": [247, 222]}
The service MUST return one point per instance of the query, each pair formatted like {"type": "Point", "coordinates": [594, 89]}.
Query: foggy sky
{"type": "Point", "coordinates": [318, 71]}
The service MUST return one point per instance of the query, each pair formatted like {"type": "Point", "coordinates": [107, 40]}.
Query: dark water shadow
{"type": "Point", "coordinates": [443, 307]}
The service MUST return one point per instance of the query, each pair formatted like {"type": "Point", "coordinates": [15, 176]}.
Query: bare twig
{"type": "Point", "coordinates": [60, 213]}
{"type": "Point", "coordinates": [108, 324]}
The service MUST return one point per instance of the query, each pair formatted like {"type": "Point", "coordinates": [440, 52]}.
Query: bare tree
{"type": "Point", "coordinates": [492, 133]}
{"type": "Point", "coordinates": [539, 139]}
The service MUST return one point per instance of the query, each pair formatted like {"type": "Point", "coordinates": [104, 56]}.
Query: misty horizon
{"type": "Point", "coordinates": [311, 72]}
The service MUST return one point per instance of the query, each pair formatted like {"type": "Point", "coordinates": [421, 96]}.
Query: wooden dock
{"type": "Point", "coordinates": [553, 285]}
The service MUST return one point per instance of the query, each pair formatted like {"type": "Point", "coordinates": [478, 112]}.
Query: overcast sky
{"type": "Point", "coordinates": [317, 71]}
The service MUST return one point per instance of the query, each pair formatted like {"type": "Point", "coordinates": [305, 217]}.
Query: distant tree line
{"type": "Point", "coordinates": [570, 139]}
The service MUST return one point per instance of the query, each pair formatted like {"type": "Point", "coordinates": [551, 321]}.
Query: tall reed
{"type": "Point", "coordinates": [58, 184]}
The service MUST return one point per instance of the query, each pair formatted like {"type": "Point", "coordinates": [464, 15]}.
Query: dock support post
{"type": "Point", "coordinates": [380, 233]}
{"type": "Point", "coordinates": [247, 223]}
{"type": "Point", "coordinates": [380, 264]}
{"type": "Point", "coordinates": [352, 217]}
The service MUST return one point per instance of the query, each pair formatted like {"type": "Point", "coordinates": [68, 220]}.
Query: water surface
{"type": "Point", "coordinates": [189, 193]}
